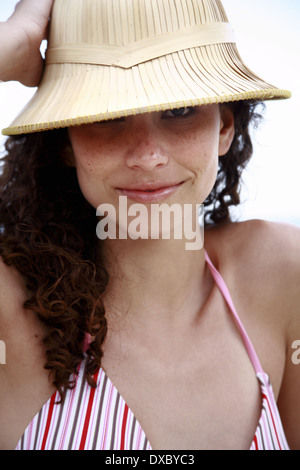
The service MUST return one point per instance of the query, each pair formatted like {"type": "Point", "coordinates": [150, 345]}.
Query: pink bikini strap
{"type": "Point", "coordinates": [226, 294]}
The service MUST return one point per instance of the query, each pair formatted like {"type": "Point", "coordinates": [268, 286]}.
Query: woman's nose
{"type": "Point", "coordinates": [145, 151]}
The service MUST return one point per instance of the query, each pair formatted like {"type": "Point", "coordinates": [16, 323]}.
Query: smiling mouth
{"type": "Point", "coordinates": [148, 194]}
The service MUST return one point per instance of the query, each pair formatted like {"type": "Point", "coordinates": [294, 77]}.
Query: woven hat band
{"type": "Point", "coordinates": [126, 56]}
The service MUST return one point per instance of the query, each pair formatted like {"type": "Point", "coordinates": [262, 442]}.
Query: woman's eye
{"type": "Point", "coordinates": [178, 112]}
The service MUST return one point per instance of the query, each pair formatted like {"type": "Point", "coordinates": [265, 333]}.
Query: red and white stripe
{"type": "Point", "coordinates": [99, 419]}
{"type": "Point", "coordinates": [269, 433]}
{"type": "Point", "coordinates": [88, 419]}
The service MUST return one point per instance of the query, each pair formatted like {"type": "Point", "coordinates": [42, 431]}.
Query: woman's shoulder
{"type": "Point", "coordinates": [256, 243]}
{"type": "Point", "coordinates": [261, 260]}
{"type": "Point", "coordinates": [24, 382]}
{"type": "Point", "coordinates": [13, 318]}
{"type": "Point", "coordinates": [20, 328]}
{"type": "Point", "coordinates": [12, 289]}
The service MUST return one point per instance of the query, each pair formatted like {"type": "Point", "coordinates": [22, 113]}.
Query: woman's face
{"type": "Point", "coordinates": [161, 157]}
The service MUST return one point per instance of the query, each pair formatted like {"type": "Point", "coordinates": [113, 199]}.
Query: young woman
{"type": "Point", "coordinates": [123, 343]}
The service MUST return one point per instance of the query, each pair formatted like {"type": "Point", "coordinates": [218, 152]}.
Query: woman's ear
{"type": "Point", "coordinates": [227, 129]}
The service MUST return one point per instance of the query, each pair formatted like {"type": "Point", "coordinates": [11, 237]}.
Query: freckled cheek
{"type": "Point", "coordinates": [203, 162]}
{"type": "Point", "coordinates": [91, 160]}
{"type": "Point", "coordinates": [85, 160]}
{"type": "Point", "coordinates": [201, 154]}
{"type": "Point", "coordinates": [94, 173]}
{"type": "Point", "coordinates": [86, 166]}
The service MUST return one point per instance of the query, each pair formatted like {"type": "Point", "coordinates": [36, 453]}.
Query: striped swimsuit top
{"type": "Point", "coordinates": [100, 419]}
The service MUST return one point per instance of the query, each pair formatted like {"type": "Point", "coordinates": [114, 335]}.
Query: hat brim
{"type": "Point", "coordinates": [76, 94]}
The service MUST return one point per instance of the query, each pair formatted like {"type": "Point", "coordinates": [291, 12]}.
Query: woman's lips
{"type": "Point", "coordinates": [148, 193]}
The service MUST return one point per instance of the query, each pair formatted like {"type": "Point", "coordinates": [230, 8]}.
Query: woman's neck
{"type": "Point", "coordinates": [154, 280]}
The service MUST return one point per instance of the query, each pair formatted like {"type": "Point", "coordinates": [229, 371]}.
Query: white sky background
{"type": "Point", "coordinates": [268, 38]}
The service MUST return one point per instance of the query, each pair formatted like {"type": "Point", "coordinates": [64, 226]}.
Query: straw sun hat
{"type": "Point", "coordinates": [113, 58]}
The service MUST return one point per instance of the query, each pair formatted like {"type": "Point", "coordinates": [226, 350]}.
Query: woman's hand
{"type": "Point", "coordinates": [20, 38]}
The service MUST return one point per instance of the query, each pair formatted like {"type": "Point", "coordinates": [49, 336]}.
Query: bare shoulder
{"type": "Point", "coordinates": [12, 289]}
{"type": "Point", "coordinates": [258, 246]}
{"type": "Point", "coordinates": [261, 263]}
{"type": "Point", "coordinates": [275, 239]}
{"type": "Point", "coordinates": [23, 380]}
{"type": "Point", "coordinates": [20, 328]}
{"type": "Point", "coordinates": [12, 297]}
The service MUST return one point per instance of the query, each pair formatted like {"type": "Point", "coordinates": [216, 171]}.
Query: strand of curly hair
{"type": "Point", "coordinates": [48, 234]}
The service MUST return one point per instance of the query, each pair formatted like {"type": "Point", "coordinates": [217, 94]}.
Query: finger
{"type": "Point", "coordinates": [34, 9]}
{"type": "Point", "coordinates": [32, 77]}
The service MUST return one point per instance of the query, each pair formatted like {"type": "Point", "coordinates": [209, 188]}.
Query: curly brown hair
{"type": "Point", "coordinates": [227, 188]}
{"type": "Point", "coordinates": [48, 234]}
